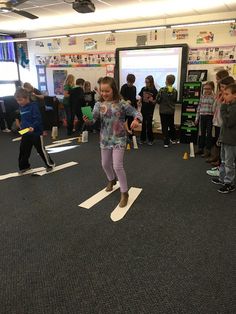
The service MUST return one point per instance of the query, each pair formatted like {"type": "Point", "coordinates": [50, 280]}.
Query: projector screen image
{"type": "Point", "coordinates": [158, 62]}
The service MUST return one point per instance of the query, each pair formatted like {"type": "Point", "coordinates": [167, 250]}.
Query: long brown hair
{"type": "Point", "coordinates": [151, 80]}
{"type": "Point", "coordinates": [111, 82]}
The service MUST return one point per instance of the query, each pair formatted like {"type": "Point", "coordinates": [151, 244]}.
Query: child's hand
{"type": "Point", "coordinates": [134, 124]}
{"type": "Point", "coordinates": [86, 119]}
{"type": "Point", "coordinates": [31, 129]}
{"type": "Point", "coordinates": [196, 122]}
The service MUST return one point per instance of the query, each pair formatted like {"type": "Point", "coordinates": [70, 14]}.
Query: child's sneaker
{"type": "Point", "coordinates": [24, 170]}
{"type": "Point", "coordinates": [214, 172]}
{"type": "Point", "coordinates": [141, 142]}
{"type": "Point", "coordinates": [50, 168]}
{"type": "Point", "coordinates": [227, 188]}
{"type": "Point", "coordinates": [6, 130]}
{"type": "Point", "coordinates": [150, 143]}
{"type": "Point", "coordinates": [217, 181]}
{"type": "Point", "coordinates": [166, 146]}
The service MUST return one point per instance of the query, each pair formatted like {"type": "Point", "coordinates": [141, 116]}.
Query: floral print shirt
{"type": "Point", "coordinates": [112, 115]}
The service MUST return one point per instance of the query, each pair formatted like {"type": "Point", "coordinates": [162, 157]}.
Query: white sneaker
{"type": "Point", "coordinates": [213, 173]}
{"type": "Point", "coordinates": [6, 130]}
{"type": "Point", "coordinates": [166, 146]}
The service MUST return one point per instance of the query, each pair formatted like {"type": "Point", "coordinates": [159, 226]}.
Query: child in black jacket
{"type": "Point", "coordinates": [166, 98]}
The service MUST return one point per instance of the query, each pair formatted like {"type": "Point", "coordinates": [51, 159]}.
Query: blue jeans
{"type": "Point", "coordinates": [227, 166]}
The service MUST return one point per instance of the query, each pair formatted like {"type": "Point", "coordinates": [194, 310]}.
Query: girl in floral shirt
{"type": "Point", "coordinates": [112, 112]}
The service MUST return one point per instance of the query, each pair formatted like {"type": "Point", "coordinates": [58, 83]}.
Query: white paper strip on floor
{"type": "Point", "coordinates": [57, 144]}
{"type": "Point", "coordinates": [16, 174]}
{"type": "Point", "coordinates": [16, 139]}
{"type": "Point", "coordinates": [96, 198]}
{"type": "Point", "coordinates": [66, 140]}
{"type": "Point", "coordinates": [119, 212]}
{"type": "Point", "coordinates": [57, 168]}
{"type": "Point", "coordinates": [60, 149]}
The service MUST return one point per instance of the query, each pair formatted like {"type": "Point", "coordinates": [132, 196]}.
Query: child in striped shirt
{"type": "Point", "coordinates": [204, 119]}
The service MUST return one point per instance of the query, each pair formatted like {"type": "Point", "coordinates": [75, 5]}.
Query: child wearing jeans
{"type": "Point", "coordinates": [112, 112]}
{"type": "Point", "coordinates": [204, 119]}
{"type": "Point", "coordinates": [166, 98]}
{"type": "Point", "coordinates": [228, 141]}
{"type": "Point", "coordinates": [30, 118]}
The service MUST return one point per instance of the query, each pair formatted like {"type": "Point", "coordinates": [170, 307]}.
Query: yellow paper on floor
{"type": "Point", "coordinates": [23, 131]}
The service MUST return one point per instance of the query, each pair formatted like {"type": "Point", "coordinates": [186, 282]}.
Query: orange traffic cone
{"type": "Point", "coordinates": [185, 157]}
{"type": "Point", "coordinates": [128, 146]}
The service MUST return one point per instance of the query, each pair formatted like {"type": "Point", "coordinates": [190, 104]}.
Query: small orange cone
{"type": "Point", "coordinates": [185, 157]}
{"type": "Point", "coordinates": [128, 146]}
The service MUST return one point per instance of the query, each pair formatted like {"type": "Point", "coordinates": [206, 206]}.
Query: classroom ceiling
{"type": "Point", "coordinates": [57, 14]}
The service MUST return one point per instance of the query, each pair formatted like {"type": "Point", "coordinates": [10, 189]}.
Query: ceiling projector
{"type": "Point", "coordinates": [83, 6]}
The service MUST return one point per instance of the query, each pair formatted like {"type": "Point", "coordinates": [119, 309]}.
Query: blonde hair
{"type": "Point", "coordinates": [28, 86]}
{"type": "Point", "coordinates": [70, 80]}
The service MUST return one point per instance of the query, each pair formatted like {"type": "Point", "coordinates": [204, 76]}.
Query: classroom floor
{"type": "Point", "coordinates": [173, 252]}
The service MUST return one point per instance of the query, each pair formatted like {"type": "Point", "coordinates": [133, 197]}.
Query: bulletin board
{"type": "Point", "coordinates": [213, 59]}
{"type": "Point", "coordinates": [88, 74]}
{"type": "Point", "coordinates": [89, 66]}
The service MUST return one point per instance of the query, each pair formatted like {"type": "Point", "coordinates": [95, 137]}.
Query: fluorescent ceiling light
{"type": "Point", "coordinates": [88, 34]}
{"type": "Point", "coordinates": [13, 40]}
{"type": "Point", "coordinates": [49, 37]}
{"type": "Point", "coordinates": [203, 23]}
{"type": "Point", "coordinates": [139, 29]}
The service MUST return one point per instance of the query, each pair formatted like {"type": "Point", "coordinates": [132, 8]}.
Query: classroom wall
{"type": "Point", "coordinates": [164, 37]}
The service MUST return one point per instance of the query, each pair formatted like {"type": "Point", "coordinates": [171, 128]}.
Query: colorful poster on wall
{"type": "Point", "coordinates": [59, 77]}
{"type": "Point", "coordinates": [55, 45]}
{"type": "Point", "coordinates": [111, 39]}
{"type": "Point", "coordinates": [205, 37]}
{"type": "Point", "coordinates": [72, 41]}
{"type": "Point", "coordinates": [232, 29]}
{"type": "Point", "coordinates": [42, 78]}
{"type": "Point", "coordinates": [212, 55]}
{"type": "Point", "coordinates": [141, 40]}
{"type": "Point", "coordinates": [77, 59]}
{"type": "Point", "coordinates": [110, 70]}
{"type": "Point", "coordinates": [90, 44]}
{"type": "Point", "coordinates": [180, 33]}
{"type": "Point", "coordinates": [39, 43]}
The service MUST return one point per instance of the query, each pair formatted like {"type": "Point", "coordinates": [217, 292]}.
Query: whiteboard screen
{"type": "Point", "coordinates": [158, 62]}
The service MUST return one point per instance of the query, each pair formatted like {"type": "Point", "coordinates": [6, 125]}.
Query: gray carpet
{"type": "Point", "coordinates": [174, 252]}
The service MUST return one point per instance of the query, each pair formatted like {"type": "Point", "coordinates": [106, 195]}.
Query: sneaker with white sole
{"type": "Point", "coordinates": [217, 181]}
{"type": "Point", "coordinates": [166, 146]}
{"type": "Point", "coordinates": [141, 142]}
{"type": "Point", "coordinates": [6, 130]}
{"type": "Point", "coordinates": [227, 188]}
{"type": "Point", "coordinates": [213, 173]}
